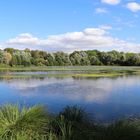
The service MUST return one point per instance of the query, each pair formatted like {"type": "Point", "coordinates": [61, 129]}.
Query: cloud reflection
{"type": "Point", "coordinates": [86, 90]}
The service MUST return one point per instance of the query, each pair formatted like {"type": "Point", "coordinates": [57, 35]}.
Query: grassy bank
{"type": "Point", "coordinates": [70, 71]}
{"type": "Point", "coordinates": [36, 123]}
{"type": "Point", "coordinates": [70, 68]}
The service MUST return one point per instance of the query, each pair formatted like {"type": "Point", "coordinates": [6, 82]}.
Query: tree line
{"type": "Point", "coordinates": [27, 57]}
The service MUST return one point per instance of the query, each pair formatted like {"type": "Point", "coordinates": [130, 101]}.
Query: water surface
{"type": "Point", "coordinates": [104, 98]}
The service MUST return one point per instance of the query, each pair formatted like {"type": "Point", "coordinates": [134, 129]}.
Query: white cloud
{"type": "Point", "coordinates": [111, 2]}
{"type": "Point", "coordinates": [105, 27]}
{"type": "Point", "coordinates": [133, 6]}
{"type": "Point", "coordinates": [24, 38]}
{"type": "Point", "coordinates": [101, 11]}
{"type": "Point", "coordinates": [90, 38]}
{"type": "Point", "coordinates": [94, 31]}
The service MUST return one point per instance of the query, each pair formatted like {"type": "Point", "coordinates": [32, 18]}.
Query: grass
{"type": "Point", "coordinates": [86, 75]}
{"type": "Point", "coordinates": [98, 75]}
{"type": "Point", "coordinates": [25, 123]}
{"type": "Point", "coordinates": [69, 71]}
{"type": "Point", "coordinates": [68, 68]}
{"type": "Point", "coordinates": [35, 123]}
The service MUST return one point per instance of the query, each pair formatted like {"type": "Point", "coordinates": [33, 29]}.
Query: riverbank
{"type": "Point", "coordinates": [69, 68]}
{"type": "Point", "coordinates": [72, 123]}
{"type": "Point", "coordinates": [69, 71]}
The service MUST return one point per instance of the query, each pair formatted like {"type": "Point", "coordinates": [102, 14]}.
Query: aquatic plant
{"type": "Point", "coordinates": [25, 122]}
{"type": "Point", "coordinates": [72, 123]}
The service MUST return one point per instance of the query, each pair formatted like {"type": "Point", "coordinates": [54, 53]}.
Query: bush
{"type": "Point", "coordinates": [72, 123]}
{"type": "Point", "coordinates": [24, 123]}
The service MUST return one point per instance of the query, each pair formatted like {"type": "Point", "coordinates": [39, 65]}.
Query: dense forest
{"type": "Point", "coordinates": [14, 57]}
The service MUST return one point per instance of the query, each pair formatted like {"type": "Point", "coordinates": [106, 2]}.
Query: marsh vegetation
{"type": "Point", "coordinates": [72, 123]}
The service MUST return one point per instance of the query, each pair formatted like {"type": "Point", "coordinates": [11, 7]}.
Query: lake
{"type": "Point", "coordinates": [104, 98]}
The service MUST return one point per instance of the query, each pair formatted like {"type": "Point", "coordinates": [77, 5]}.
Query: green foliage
{"type": "Point", "coordinates": [61, 59]}
{"type": "Point", "coordinates": [25, 123]}
{"type": "Point", "coordinates": [73, 114]}
{"type": "Point", "coordinates": [71, 120]}
{"type": "Point", "coordinates": [14, 57]}
{"type": "Point", "coordinates": [133, 60]}
{"type": "Point", "coordinates": [120, 130]}
{"type": "Point", "coordinates": [95, 61]}
{"type": "Point", "coordinates": [1, 56]}
{"type": "Point", "coordinates": [79, 58]}
{"type": "Point", "coordinates": [71, 124]}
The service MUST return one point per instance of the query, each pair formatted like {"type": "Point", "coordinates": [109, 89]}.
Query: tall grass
{"type": "Point", "coordinates": [120, 130]}
{"type": "Point", "coordinates": [25, 122]}
{"type": "Point", "coordinates": [71, 124]}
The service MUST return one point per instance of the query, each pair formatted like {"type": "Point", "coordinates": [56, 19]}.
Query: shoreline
{"type": "Point", "coordinates": [71, 71]}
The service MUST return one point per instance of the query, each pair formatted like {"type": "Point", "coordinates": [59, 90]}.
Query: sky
{"type": "Point", "coordinates": [69, 25]}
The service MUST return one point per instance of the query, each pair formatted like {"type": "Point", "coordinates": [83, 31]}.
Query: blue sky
{"type": "Point", "coordinates": [69, 25]}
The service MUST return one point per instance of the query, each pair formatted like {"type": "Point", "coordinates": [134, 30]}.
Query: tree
{"type": "Point", "coordinates": [133, 60]}
{"type": "Point", "coordinates": [95, 61]}
{"type": "Point", "coordinates": [35, 54]}
{"type": "Point", "coordinates": [40, 62]}
{"type": "Point", "coordinates": [50, 60]}
{"type": "Point", "coordinates": [25, 58]}
{"type": "Point", "coordinates": [1, 56]}
{"type": "Point", "coordinates": [9, 50]}
{"type": "Point", "coordinates": [7, 57]}
{"type": "Point", "coordinates": [61, 59]}
{"type": "Point", "coordinates": [93, 57]}
{"type": "Point", "coordinates": [79, 58]}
